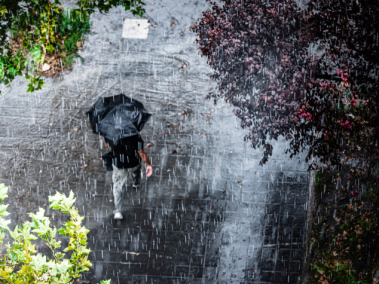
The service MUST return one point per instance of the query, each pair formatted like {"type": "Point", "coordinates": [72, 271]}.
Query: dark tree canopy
{"type": "Point", "coordinates": [263, 58]}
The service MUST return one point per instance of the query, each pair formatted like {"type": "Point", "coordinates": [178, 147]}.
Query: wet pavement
{"type": "Point", "coordinates": [192, 221]}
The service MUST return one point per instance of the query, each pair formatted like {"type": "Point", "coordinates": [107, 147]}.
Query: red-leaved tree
{"type": "Point", "coordinates": [263, 57]}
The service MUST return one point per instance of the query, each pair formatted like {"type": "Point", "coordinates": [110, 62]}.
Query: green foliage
{"type": "Point", "coordinates": [43, 28]}
{"type": "Point", "coordinates": [22, 265]}
{"type": "Point", "coordinates": [71, 27]}
{"type": "Point", "coordinates": [334, 271]}
{"type": "Point", "coordinates": [345, 242]}
{"type": "Point", "coordinates": [369, 194]}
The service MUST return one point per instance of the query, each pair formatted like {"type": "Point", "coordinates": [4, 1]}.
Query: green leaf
{"type": "Point", "coordinates": [2, 235]}
{"type": "Point", "coordinates": [3, 10]}
{"type": "Point", "coordinates": [3, 191]}
{"type": "Point", "coordinates": [12, 256]}
{"type": "Point", "coordinates": [40, 84]}
{"type": "Point", "coordinates": [62, 267]}
{"type": "Point", "coordinates": [56, 244]}
{"type": "Point", "coordinates": [83, 251]}
{"type": "Point", "coordinates": [25, 232]}
{"type": "Point", "coordinates": [65, 278]}
{"type": "Point", "coordinates": [62, 231]}
{"type": "Point", "coordinates": [39, 216]}
{"type": "Point", "coordinates": [36, 53]}
{"type": "Point", "coordinates": [53, 232]}
{"type": "Point", "coordinates": [41, 224]}
{"type": "Point", "coordinates": [12, 70]}
{"type": "Point", "coordinates": [59, 255]}
{"type": "Point", "coordinates": [4, 224]}
{"type": "Point", "coordinates": [38, 262]}
{"type": "Point", "coordinates": [3, 211]}
{"type": "Point", "coordinates": [69, 248]}
{"type": "Point", "coordinates": [105, 281]}
{"type": "Point", "coordinates": [14, 234]}
{"type": "Point", "coordinates": [50, 48]}
{"type": "Point", "coordinates": [42, 230]}
{"type": "Point", "coordinates": [60, 201]}
{"type": "Point", "coordinates": [30, 88]}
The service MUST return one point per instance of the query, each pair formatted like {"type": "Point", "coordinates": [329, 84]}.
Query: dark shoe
{"type": "Point", "coordinates": [136, 177]}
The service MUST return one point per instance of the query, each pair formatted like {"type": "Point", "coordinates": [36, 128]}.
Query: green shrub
{"type": "Point", "coordinates": [37, 31]}
{"type": "Point", "coordinates": [22, 265]}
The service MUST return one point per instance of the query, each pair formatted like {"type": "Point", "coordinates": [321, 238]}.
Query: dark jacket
{"type": "Point", "coordinates": [125, 153]}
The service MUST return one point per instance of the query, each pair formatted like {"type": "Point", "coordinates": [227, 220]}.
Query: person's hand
{"type": "Point", "coordinates": [149, 170]}
{"type": "Point", "coordinates": [105, 144]}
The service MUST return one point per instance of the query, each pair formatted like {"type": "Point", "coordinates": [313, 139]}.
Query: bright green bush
{"type": "Point", "coordinates": [22, 265]}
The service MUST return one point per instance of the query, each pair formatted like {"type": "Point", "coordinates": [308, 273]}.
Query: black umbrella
{"type": "Point", "coordinates": [117, 117]}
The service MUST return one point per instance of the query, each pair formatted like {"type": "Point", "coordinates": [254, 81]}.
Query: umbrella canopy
{"type": "Point", "coordinates": [117, 117]}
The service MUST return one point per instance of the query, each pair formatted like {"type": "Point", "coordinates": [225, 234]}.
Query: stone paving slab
{"type": "Point", "coordinates": [191, 222]}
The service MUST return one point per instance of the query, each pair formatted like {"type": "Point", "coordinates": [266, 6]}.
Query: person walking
{"type": "Point", "coordinates": [120, 119]}
{"type": "Point", "coordinates": [126, 158]}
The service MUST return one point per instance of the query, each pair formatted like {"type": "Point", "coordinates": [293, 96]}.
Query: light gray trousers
{"type": "Point", "coordinates": [119, 177]}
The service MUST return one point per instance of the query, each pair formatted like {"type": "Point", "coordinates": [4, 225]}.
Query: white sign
{"type": "Point", "coordinates": [135, 28]}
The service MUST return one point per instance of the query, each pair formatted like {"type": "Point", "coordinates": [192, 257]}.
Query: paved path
{"type": "Point", "coordinates": [191, 222]}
